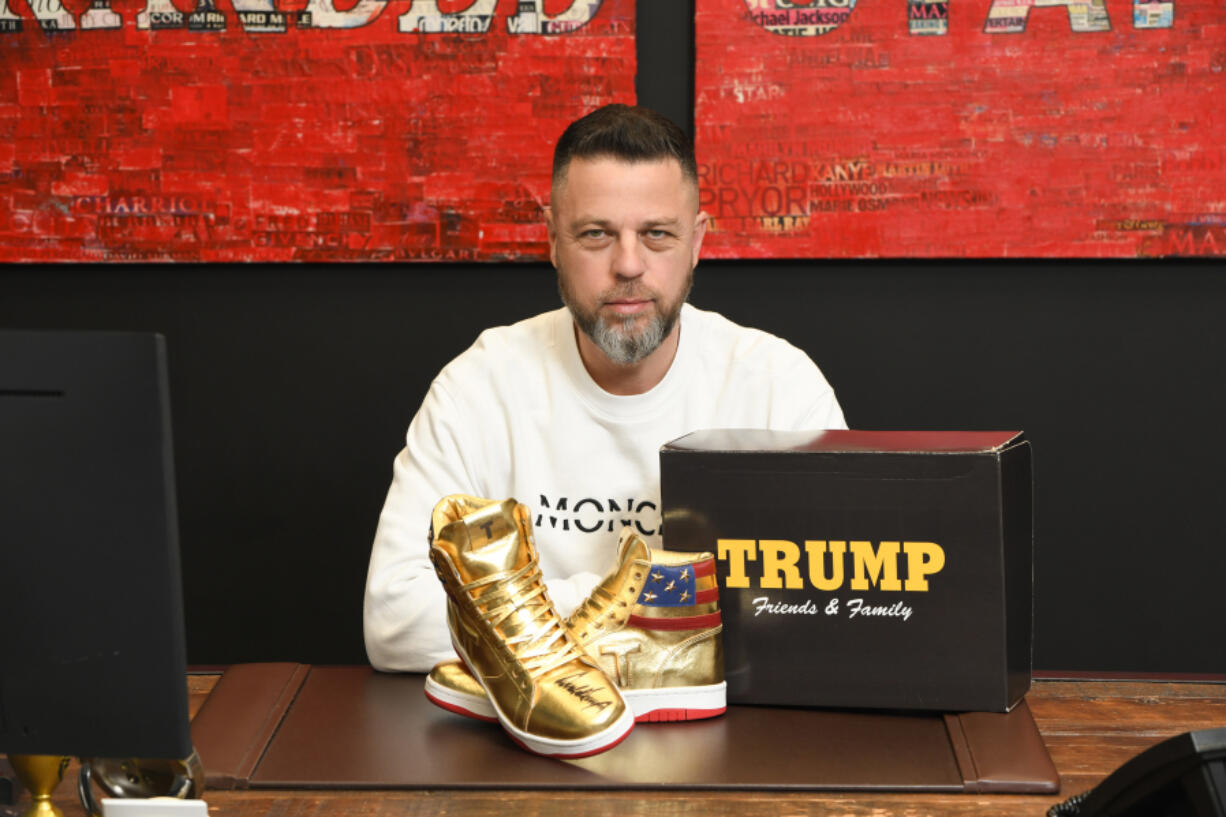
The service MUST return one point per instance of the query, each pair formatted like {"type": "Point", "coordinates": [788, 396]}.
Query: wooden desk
{"type": "Point", "coordinates": [1090, 728]}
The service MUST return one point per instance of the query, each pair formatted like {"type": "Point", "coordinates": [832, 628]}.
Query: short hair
{"type": "Point", "coordinates": [628, 133]}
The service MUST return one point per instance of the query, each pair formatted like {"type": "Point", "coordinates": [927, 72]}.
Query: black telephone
{"type": "Point", "coordinates": [1184, 776]}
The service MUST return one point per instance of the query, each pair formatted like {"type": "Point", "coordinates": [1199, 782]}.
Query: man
{"type": "Point", "coordinates": [566, 411]}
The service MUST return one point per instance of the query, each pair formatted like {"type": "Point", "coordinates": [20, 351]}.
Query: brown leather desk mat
{"type": "Point", "coordinates": [351, 727]}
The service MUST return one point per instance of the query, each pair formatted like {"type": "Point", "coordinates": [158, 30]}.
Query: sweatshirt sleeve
{"type": "Point", "coordinates": [813, 404]}
{"type": "Point", "coordinates": [404, 616]}
{"type": "Point", "coordinates": [825, 411]}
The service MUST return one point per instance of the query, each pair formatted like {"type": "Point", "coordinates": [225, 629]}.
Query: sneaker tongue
{"type": "Point", "coordinates": [616, 586]}
{"type": "Point", "coordinates": [490, 542]}
{"type": "Point", "coordinates": [630, 546]}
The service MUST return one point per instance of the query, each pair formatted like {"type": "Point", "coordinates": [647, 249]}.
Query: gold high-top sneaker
{"type": "Point", "coordinates": [544, 690]}
{"type": "Point", "coordinates": [653, 624]}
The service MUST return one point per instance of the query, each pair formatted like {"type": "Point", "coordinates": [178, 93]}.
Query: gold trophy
{"type": "Point", "coordinates": [40, 774]}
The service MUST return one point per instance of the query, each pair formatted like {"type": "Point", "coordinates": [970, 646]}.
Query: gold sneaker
{"type": "Point", "coordinates": [545, 691]}
{"type": "Point", "coordinates": [655, 627]}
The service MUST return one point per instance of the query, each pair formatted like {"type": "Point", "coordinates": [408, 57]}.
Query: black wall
{"type": "Point", "coordinates": [292, 387]}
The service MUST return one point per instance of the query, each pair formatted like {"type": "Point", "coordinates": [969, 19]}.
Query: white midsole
{"type": "Point", "coordinates": [604, 739]}
{"type": "Point", "coordinates": [591, 744]}
{"type": "Point", "coordinates": [644, 701]}
{"type": "Point", "coordinates": [641, 701]}
{"type": "Point", "coordinates": [476, 705]}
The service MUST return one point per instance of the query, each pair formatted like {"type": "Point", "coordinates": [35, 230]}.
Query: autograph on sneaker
{"type": "Point", "coordinates": [581, 691]}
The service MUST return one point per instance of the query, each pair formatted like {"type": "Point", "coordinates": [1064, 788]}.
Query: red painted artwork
{"type": "Point", "coordinates": [310, 130]}
{"type": "Point", "coordinates": [962, 128]}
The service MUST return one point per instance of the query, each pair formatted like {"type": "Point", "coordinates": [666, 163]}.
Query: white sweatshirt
{"type": "Point", "coordinates": [517, 415]}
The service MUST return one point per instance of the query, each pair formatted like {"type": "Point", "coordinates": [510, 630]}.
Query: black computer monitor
{"type": "Point", "coordinates": [92, 654]}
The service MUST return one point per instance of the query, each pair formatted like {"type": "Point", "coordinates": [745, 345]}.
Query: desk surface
{"type": "Point", "coordinates": [1090, 728]}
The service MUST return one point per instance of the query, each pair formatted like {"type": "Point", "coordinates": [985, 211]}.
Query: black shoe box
{"type": "Point", "coordinates": [928, 604]}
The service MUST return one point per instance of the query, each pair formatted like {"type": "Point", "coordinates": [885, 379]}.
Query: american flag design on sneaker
{"type": "Point", "coordinates": [681, 597]}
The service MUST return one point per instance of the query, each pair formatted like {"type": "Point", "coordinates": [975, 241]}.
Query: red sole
{"type": "Point", "coordinates": [672, 715]}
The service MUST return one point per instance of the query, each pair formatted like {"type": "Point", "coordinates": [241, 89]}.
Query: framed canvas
{"type": "Point", "coordinates": [312, 130]}
{"type": "Point", "coordinates": [961, 128]}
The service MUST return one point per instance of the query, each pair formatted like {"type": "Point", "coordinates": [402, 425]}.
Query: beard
{"type": "Point", "coordinates": [623, 340]}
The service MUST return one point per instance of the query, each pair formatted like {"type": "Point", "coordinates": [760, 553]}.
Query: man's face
{"type": "Point", "coordinates": [625, 237]}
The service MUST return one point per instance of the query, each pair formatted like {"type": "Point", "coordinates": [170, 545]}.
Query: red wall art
{"type": "Point", "coordinates": [309, 130]}
{"type": "Point", "coordinates": [946, 128]}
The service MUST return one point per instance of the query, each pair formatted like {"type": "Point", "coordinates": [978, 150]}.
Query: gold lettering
{"type": "Point", "coordinates": [817, 563]}
{"type": "Point", "coordinates": [923, 559]}
{"type": "Point", "coordinates": [780, 555]}
{"type": "Point", "coordinates": [735, 552]}
{"type": "Point", "coordinates": [621, 661]}
{"type": "Point", "coordinates": [873, 566]}
{"type": "Point", "coordinates": [878, 566]}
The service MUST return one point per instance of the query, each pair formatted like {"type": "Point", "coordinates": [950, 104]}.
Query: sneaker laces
{"type": "Point", "coordinates": [602, 601]}
{"type": "Point", "coordinates": [590, 610]}
{"type": "Point", "coordinates": [524, 589]}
